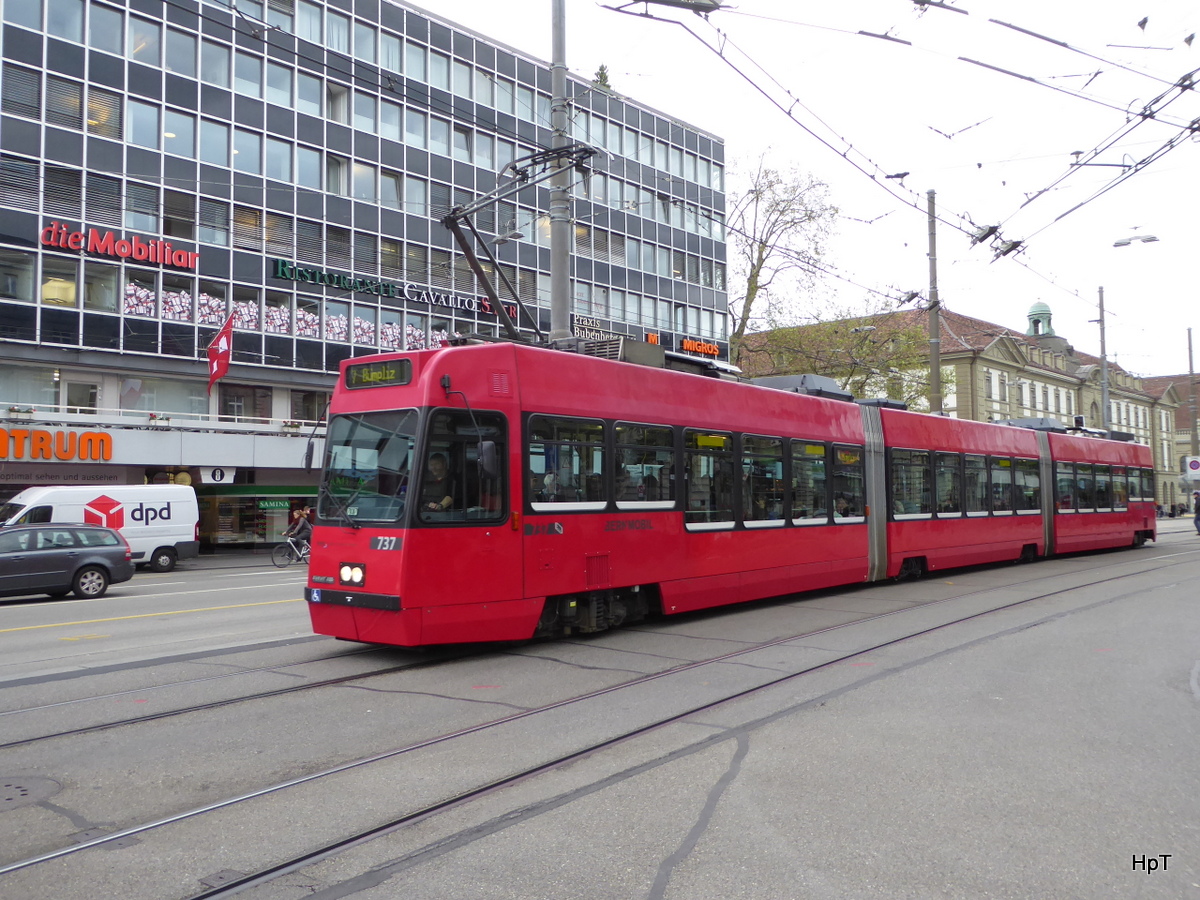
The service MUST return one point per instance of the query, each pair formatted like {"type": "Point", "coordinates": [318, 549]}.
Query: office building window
{"type": "Point", "coordinates": [247, 75]}
{"type": "Point", "coordinates": [390, 53]}
{"type": "Point", "coordinates": [64, 19]}
{"type": "Point", "coordinates": [141, 207]}
{"type": "Point", "coordinates": [364, 112]}
{"type": "Point", "coordinates": [279, 84]}
{"type": "Point", "coordinates": [364, 182]}
{"type": "Point", "coordinates": [106, 28]}
{"type": "Point", "coordinates": [278, 164]}
{"type": "Point", "coordinates": [415, 62]}
{"type": "Point", "coordinates": [308, 94]}
{"type": "Point", "coordinates": [308, 168]}
{"type": "Point", "coordinates": [64, 102]}
{"type": "Point", "coordinates": [337, 174]}
{"type": "Point", "coordinates": [179, 215]}
{"type": "Point", "coordinates": [247, 149]}
{"type": "Point", "coordinates": [213, 220]}
{"type": "Point", "coordinates": [364, 42]}
{"type": "Point", "coordinates": [415, 128]}
{"type": "Point", "coordinates": [337, 32]}
{"type": "Point", "coordinates": [21, 92]}
{"type": "Point", "coordinates": [179, 133]}
{"type": "Point", "coordinates": [308, 21]}
{"type": "Point", "coordinates": [337, 103]}
{"type": "Point", "coordinates": [214, 142]}
{"type": "Point", "coordinates": [181, 53]}
{"type": "Point", "coordinates": [214, 63]}
{"type": "Point", "coordinates": [145, 41]}
{"type": "Point", "coordinates": [104, 113]}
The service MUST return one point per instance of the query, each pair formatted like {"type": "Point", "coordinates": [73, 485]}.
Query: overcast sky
{"type": "Point", "coordinates": [1003, 139]}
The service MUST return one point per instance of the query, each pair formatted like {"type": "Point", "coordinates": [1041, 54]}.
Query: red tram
{"type": "Point", "coordinates": [501, 492]}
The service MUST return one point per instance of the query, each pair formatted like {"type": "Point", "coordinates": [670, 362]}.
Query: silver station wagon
{"type": "Point", "coordinates": [57, 559]}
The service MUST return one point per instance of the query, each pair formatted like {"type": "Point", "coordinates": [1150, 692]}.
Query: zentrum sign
{"type": "Point", "coordinates": [43, 443]}
{"type": "Point", "coordinates": [106, 243]}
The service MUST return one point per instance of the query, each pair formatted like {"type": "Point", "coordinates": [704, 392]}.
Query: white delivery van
{"type": "Point", "coordinates": [160, 521]}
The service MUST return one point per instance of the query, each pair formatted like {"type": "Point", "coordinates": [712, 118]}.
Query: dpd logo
{"type": "Point", "coordinates": [105, 511]}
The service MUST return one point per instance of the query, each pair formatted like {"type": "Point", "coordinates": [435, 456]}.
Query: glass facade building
{"type": "Point", "coordinates": [167, 163]}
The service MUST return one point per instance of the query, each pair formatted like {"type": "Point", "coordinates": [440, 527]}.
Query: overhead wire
{"type": "Point", "coordinates": [1148, 113]}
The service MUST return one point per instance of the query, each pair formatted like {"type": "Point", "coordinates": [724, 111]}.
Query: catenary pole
{"type": "Point", "coordinates": [935, 318]}
{"type": "Point", "coordinates": [1192, 401]}
{"type": "Point", "coordinates": [560, 196]}
{"type": "Point", "coordinates": [1105, 416]}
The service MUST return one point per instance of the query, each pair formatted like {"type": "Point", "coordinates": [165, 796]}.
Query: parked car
{"type": "Point", "coordinates": [56, 559]}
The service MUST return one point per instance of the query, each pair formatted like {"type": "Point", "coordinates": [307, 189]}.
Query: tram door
{"type": "Point", "coordinates": [482, 551]}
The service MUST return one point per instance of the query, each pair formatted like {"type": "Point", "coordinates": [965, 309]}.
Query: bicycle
{"type": "Point", "coordinates": [292, 551]}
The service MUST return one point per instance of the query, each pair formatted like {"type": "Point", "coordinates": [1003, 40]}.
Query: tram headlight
{"type": "Point", "coordinates": [352, 573]}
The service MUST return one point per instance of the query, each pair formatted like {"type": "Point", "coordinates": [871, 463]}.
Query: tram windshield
{"type": "Point", "coordinates": [368, 462]}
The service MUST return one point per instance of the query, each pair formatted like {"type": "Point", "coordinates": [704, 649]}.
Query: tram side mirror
{"type": "Point", "coordinates": [489, 465]}
{"type": "Point", "coordinates": [308, 457]}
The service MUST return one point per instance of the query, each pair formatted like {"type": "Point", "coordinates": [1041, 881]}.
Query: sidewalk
{"type": "Point", "coordinates": [1182, 524]}
{"type": "Point", "coordinates": [228, 559]}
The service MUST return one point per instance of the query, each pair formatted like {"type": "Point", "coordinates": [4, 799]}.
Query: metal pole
{"type": "Point", "coordinates": [560, 196]}
{"type": "Point", "coordinates": [935, 319]}
{"type": "Point", "coordinates": [1192, 384]}
{"type": "Point", "coordinates": [1104, 416]}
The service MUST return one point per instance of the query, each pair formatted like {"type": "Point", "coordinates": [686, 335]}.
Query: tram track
{"type": "Point", "coordinates": [481, 790]}
{"type": "Point", "coordinates": [443, 658]}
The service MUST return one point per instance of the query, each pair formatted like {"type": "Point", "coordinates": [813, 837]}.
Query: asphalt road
{"type": "Point", "coordinates": [201, 606]}
{"type": "Point", "coordinates": [1045, 747]}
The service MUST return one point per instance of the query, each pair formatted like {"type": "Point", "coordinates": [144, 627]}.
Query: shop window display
{"type": "Point", "coordinates": [337, 322]}
{"type": "Point", "coordinates": [308, 318]}
{"type": "Point", "coordinates": [210, 304]}
{"type": "Point", "coordinates": [176, 298]}
{"type": "Point", "coordinates": [277, 314]}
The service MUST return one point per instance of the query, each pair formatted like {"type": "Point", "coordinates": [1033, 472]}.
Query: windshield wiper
{"type": "Point", "coordinates": [341, 511]}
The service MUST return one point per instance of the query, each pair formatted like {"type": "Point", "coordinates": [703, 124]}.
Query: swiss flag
{"type": "Point", "coordinates": [219, 353]}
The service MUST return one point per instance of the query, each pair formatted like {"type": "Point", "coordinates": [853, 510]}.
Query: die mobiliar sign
{"type": "Point", "coordinates": [106, 243]}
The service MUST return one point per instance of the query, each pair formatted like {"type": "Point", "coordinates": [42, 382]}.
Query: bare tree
{"type": "Point", "coordinates": [777, 231]}
{"type": "Point", "coordinates": [879, 352]}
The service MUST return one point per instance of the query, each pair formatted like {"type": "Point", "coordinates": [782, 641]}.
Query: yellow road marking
{"type": "Point", "coordinates": [85, 637]}
{"type": "Point", "coordinates": [177, 612]}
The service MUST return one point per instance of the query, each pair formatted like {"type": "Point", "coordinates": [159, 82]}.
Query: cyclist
{"type": "Point", "coordinates": [300, 529]}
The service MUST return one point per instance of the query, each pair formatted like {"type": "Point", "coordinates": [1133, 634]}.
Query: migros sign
{"type": "Point", "coordinates": [694, 346]}
{"type": "Point", "coordinates": [42, 443]}
{"type": "Point", "coordinates": [106, 243]}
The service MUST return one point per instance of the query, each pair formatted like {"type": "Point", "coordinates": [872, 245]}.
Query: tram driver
{"type": "Point", "coordinates": [437, 488]}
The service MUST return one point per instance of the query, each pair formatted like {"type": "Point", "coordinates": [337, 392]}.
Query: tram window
{"type": "Point", "coordinates": [1028, 485]}
{"type": "Point", "coordinates": [367, 466]}
{"type": "Point", "coordinates": [708, 469]}
{"type": "Point", "coordinates": [1148, 484]}
{"type": "Point", "coordinates": [452, 468]}
{"type": "Point", "coordinates": [645, 466]}
{"type": "Point", "coordinates": [1120, 487]}
{"type": "Point", "coordinates": [976, 499]}
{"type": "Point", "coordinates": [762, 481]}
{"type": "Point", "coordinates": [911, 489]}
{"type": "Point", "coordinates": [810, 487]}
{"type": "Point", "coordinates": [1086, 487]}
{"type": "Point", "coordinates": [566, 463]}
{"type": "Point", "coordinates": [849, 493]}
{"type": "Point", "coordinates": [1066, 490]}
{"type": "Point", "coordinates": [1002, 484]}
{"type": "Point", "coordinates": [1103, 476]}
{"type": "Point", "coordinates": [948, 480]}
